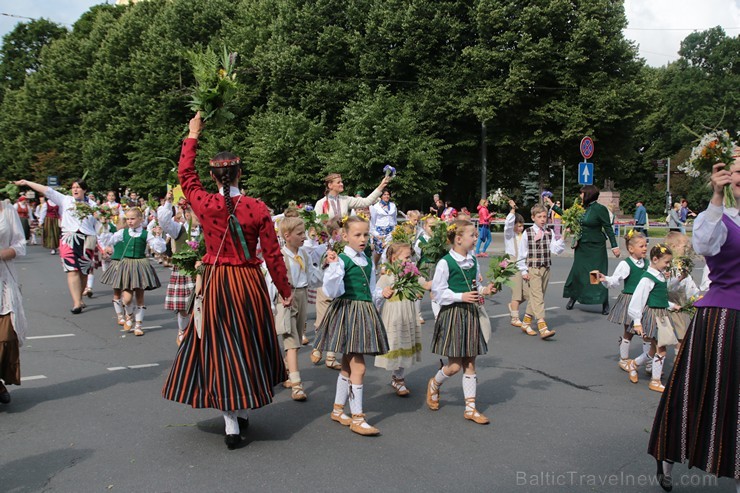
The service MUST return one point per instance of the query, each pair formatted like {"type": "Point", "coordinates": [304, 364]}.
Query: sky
{"type": "Point", "coordinates": [657, 26]}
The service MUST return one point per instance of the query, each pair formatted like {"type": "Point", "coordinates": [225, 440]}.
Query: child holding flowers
{"type": "Point", "coordinates": [352, 325]}
{"type": "Point", "coordinates": [537, 246]}
{"type": "Point", "coordinates": [628, 271]}
{"type": "Point", "coordinates": [462, 328]}
{"type": "Point", "coordinates": [681, 286]}
{"type": "Point", "coordinates": [399, 314]}
{"type": "Point", "coordinates": [648, 309]}
{"type": "Point", "coordinates": [513, 229]}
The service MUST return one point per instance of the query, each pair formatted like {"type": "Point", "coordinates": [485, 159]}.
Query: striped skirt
{"type": "Point", "coordinates": [135, 273]}
{"type": "Point", "coordinates": [351, 326]}
{"type": "Point", "coordinates": [618, 313]}
{"type": "Point", "coordinates": [75, 254]}
{"type": "Point", "coordinates": [178, 291]}
{"type": "Point", "coordinates": [238, 360]}
{"type": "Point", "coordinates": [650, 322]}
{"type": "Point", "coordinates": [109, 274]}
{"type": "Point", "coordinates": [698, 418]}
{"type": "Point", "coordinates": [457, 332]}
{"type": "Point", "coordinates": [52, 232]}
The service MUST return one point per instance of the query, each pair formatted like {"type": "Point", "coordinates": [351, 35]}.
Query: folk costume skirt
{"type": "Point", "coordinates": [351, 326]}
{"type": "Point", "coordinates": [109, 275]}
{"type": "Point", "coordinates": [457, 332]}
{"type": "Point", "coordinates": [179, 290]}
{"type": "Point", "coordinates": [697, 420]}
{"type": "Point", "coordinates": [135, 273]}
{"type": "Point", "coordinates": [52, 232]}
{"type": "Point", "coordinates": [10, 356]}
{"type": "Point", "coordinates": [650, 322]}
{"type": "Point", "coordinates": [237, 360]}
{"type": "Point", "coordinates": [76, 253]}
{"type": "Point", "coordinates": [401, 322]}
{"type": "Point", "coordinates": [618, 313]}
{"type": "Point", "coordinates": [587, 256]}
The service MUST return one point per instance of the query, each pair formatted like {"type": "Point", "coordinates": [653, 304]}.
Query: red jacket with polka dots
{"type": "Point", "coordinates": [210, 208]}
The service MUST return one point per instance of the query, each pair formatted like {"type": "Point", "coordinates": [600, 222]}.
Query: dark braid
{"type": "Point", "coordinates": [225, 176]}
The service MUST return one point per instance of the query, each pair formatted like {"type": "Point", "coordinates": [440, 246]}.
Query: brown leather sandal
{"type": "Point", "coordinates": [432, 391]}
{"type": "Point", "coordinates": [400, 385]}
{"type": "Point", "coordinates": [358, 420]}
{"type": "Point", "coordinates": [338, 415]}
{"type": "Point", "coordinates": [473, 414]}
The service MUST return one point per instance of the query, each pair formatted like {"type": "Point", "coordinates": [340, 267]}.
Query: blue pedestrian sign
{"type": "Point", "coordinates": [585, 173]}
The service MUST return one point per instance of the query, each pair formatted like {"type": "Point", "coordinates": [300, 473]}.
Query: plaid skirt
{"type": "Point", "coordinates": [109, 274]}
{"type": "Point", "coordinates": [135, 273]}
{"type": "Point", "coordinates": [457, 332]}
{"type": "Point", "coordinates": [618, 313]}
{"type": "Point", "coordinates": [178, 291]}
{"type": "Point", "coordinates": [650, 322]}
{"type": "Point", "coordinates": [698, 418]}
{"type": "Point", "coordinates": [352, 326]}
{"type": "Point", "coordinates": [76, 254]}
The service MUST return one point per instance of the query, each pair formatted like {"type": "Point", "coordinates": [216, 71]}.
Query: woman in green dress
{"type": "Point", "coordinates": [590, 252]}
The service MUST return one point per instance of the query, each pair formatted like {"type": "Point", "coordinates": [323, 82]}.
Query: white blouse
{"type": "Point", "coordinates": [622, 272]}
{"type": "Point", "coordinates": [156, 243]}
{"type": "Point", "coordinates": [11, 301]}
{"type": "Point", "coordinates": [334, 274]}
{"type": "Point", "coordinates": [642, 292]}
{"type": "Point", "coordinates": [382, 218]}
{"type": "Point", "coordinates": [512, 241]}
{"type": "Point", "coordinates": [70, 222]}
{"type": "Point", "coordinates": [557, 246]}
{"type": "Point", "coordinates": [310, 276]}
{"type": "Point", "coordinates": [709, 232]}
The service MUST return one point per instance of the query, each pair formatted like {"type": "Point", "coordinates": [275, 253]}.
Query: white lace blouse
{"type": "Point", "coordinates": [11, 301]}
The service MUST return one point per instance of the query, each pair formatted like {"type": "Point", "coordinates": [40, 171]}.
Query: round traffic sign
{"type": "Point", "coordinates": [587, 147]}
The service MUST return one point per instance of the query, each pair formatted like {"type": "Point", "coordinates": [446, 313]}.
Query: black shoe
{"type": "Point", "coordinates": [605, 308]}
{"type": "Point", "coordinates": [77, 310]}
{"type": "Point", "coordinates": [665, 482]}
{"type": "Point", "coordinates": [232, 441]}
{"type": "Point", "coordinates": [571, 304]}
{"type": "Point", "coordinates": [4, 396]}
{"type": "Point", "coordinates": [243, 425]}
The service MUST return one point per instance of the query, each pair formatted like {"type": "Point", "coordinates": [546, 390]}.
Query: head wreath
{"type": "Point", "coordinates": [630, 234]}
{"type": "Point", "coordinates": [225, 163]}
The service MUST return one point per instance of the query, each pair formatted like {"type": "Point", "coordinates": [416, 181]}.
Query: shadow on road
{"type": "Point", "coordinates": [34, 473]}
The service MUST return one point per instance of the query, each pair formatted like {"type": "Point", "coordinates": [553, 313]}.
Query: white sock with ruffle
{"type": "Point", "coordinates": [232, 425]}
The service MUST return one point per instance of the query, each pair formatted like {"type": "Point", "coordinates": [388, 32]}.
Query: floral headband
{"type": "Point", "coordinates": [663, 249]}
{"type": "Point", "coordinates": [452, 228]}
{"type": "Point", "coordinates": [225, 163]}
{"type": "Point", "coordinates": [630, 234]}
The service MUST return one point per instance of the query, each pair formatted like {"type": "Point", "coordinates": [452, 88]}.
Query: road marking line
{"type": "Point", "coordinates": [557, 282]}
{"type": "Point", "coordinates": [116, 368]}
{"type": "Point", "coordinates": [508, 315]}
{"type": "Point", "coordinates": [33, 377]}
{"type": "Point", "coordinates": [50, 337]}
{"type": "Point", "coordinates": [148, 365]}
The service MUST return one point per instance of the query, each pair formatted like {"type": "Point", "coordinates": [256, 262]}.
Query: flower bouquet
{"type": "Point", "coordinates": [498, 198]}
{"type": "Point", "coordinates": [83, 209]}
{"type": "Point", "coordinates": [572, 218]}
{"type": "Point", "coordinates": [105, 213]}
{"type": "Point", "coordinates": [501, 270]}
{"type": "Point", "coordinates": [715, 147]}
{"type": "Point", "coordinates": [406, 284]}
{"type": "Point", "coordinates": [215, 84]}
{"type": "Point", "coordinates": [689, 307]}
{"type": "Point", "coordinates": [682, 265]}
{"type": "Point", "coordinates": [389, 171]}
{"type": "Point", "coordinates": [313, 220]}
{"type": "Point", "coordinates": [190, 254]}
{"type": "Point", "coordinates": [404, 233]}
{"type": "Point", "coordinates": [10, 190]}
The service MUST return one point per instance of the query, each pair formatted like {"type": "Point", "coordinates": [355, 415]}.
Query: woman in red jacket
{"type": "Point", "coordinates": [235, 360]}
{"type": "Point", "coordinates": [484, 229]}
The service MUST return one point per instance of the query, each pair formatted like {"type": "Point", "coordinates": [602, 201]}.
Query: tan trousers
{"type": "Point", "coordinates": [322, 304]}
{"type": "Point", "coordinates": [534, 291]}
{"type": "Point", "coordinates": [297, 314]}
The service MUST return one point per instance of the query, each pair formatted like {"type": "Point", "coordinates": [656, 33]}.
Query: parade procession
{"type": "Point", "coordinates": [271, 245]}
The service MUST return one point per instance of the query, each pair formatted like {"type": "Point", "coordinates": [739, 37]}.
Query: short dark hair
{"type": "Point", "coordinates": [590, 194]}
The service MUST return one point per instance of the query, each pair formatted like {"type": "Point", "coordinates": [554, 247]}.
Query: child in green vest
{"type": "Point", "coordinates": [458, 332]}
{"type": "Point", "coordinates": [111, 267]}
{"type": "Point", "coordinates": [425, 235]}
{"type": "Point", "coordinates": [352, 325]}
{"type": "Point", "coordinates": [650, 303]}
{"type": "Point", "coordinates": [630, 272]}
{"type": "Point", "coordinates": [135, 274]}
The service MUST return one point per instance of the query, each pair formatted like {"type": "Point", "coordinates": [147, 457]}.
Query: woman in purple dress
{"type": "Point", "coordinates": [698, 420]}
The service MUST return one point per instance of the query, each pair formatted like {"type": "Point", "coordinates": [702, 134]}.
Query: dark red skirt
{"type": "Point", "coordinates": [697, 419]}
{"type": "Point", "coordinates": [238, 360]}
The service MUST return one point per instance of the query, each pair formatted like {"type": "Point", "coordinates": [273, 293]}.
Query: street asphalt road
{"type": "Point", "coordinates": [89, 416]}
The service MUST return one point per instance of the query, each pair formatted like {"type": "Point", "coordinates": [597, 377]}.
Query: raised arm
{"type": "Point", "coordinates": [358, 203]}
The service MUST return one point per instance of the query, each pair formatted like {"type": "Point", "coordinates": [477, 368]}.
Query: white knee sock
{"type": "Point", "coordinates": [118, 307]}
{"type": "Point", "coordinates": [657, 366]}
{"type": "Point", "coordinates": [624, 348]}
{"type": "Point", "coordinates": [642, 359]}
{"type": "Point", "coordinates": [294, 377]}
{"type": "Point", "coordinates": [90, 281]}
{"type": "Point", "coordinates": [232, 425]}
{"type": "Point", "coordinates": [182, 322]}
{"type": "Point", "coordinates": [128, 310]}
{"type": "Point", "coordinates": [398, 373]}
{"type": "Point", "coordinates": [355, 399]}
{"type": "Point", "coordinates": [340, 397]}
{"type": "Point", "coordinates": [139, 314]}
{"type": "Point", "coordinates": [439, 379]}
{"type": "Point", "coordinates": [470, 383]}
{"type": "Point", "coordinates": [667, 468]}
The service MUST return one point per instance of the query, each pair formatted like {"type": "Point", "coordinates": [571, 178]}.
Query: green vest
{"type": "Point", "coordinates": [118, 247]}
{"type": "Point", "coordinates": [356, 280]}
{"type": "Point", "coordinates": [631, 282]}
{"type": "Point", "coordinates": [134, 247]}
{"type": "Point", "coordinates": [461, 280]}
{"type": "Point", "coordinates": [658, 297]}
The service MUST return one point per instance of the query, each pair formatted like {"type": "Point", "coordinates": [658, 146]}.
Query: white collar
{"type": "Point", "coordinates": [291, 254]}
{"type": "Point", "coordinates": [351, 252]}
{"type": "Point", "coordinates": [233, 191]}
{"type": "Point", "coordinates": [136, 230]}
{"type": "Point", "coordinates": [459, 257]}
{"type": "Point", "coordinates": [537, 228]}
{"type": "Point", "coordinates": [656, 273]}
{"type": "Point", "coordinates": [732, 212]}
{"type": "Point", "coordinates": [637, 261]}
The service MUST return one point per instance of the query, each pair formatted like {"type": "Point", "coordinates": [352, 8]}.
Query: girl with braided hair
{"type": "Point", "coordinates": [232, 360]}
